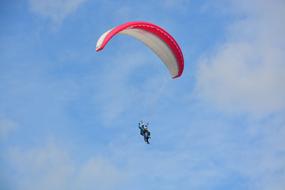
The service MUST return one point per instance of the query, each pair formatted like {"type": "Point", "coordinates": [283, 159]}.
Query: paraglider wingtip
{"type": "Point", "coordinates": [176, 76]}
{"type": "Point", "coordinates": [98, 48]}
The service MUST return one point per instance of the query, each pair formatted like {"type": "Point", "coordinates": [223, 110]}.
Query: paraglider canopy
{"type": "Point", "coordinates": [156, 38]}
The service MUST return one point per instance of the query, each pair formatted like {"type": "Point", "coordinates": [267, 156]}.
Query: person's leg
{"type": "Point", "coordinates": [147, 140]}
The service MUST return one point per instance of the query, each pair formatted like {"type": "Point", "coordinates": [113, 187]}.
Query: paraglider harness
{"type": "Point", "coordinates": [144, 131]}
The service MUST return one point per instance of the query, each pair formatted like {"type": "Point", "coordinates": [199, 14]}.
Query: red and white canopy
{"type": "Point", "coordinates": [156, 38]}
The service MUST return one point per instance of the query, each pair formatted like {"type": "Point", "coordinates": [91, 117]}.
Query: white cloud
{"type": "Point", "coordinates": [209, 155]}
{"type": "Point", "coordinates": [261, 160]}
{"type": "Point", "coordinates": [98, 173]}
{"type": "Point", "coordinates": [246, 74]}
{"type": "Point", "coordinates": [135, 10]}
{"type": "Point", "coordinates": [56, 10]}
{"type": "Point", "coordinates": [117, 90]}
{"type": "Point", "coordinates": [203, 156]}
{"type": "Point", "coordinates": [7, 126]}
{"type": "Point", "coordinates": [45, 167]}
{"type": "Point", "coordinates": [175, 4]}
{"type": "Point", "coordinates": [53, 167]}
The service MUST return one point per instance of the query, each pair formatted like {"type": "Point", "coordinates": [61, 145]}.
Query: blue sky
{"type": "Point", "coordinates": [68, 115]}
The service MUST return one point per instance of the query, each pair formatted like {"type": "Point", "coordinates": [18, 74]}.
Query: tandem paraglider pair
{"type": "Point", "coordinates": [159, 41]}
{"type": "Point", "coordinates": [144, 131]}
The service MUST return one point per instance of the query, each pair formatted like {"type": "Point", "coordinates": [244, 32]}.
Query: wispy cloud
{"type": "Point", "coordinates": [246, 73]}
{"type": "Point", "coordinates": [207, 157]}
{"type": "Point", "coordinates": [192, 146]}
{"type": "Point", "coordinates": [135, 10]}
{"type": "Point", "coordinates": [56, 10]}
{"type": "Point", "coordinates": [175, 5]}
{"type": "Point", "coordinates": [261, 158]}
{"type": "Point", "coordinates": [50, 166]}
{"type": "Point", "coordinates": [7, 126]}
{"type": "Point", "coordinates": [99, 173]}
{"type": "Point", "coordinates": [117, 93]}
